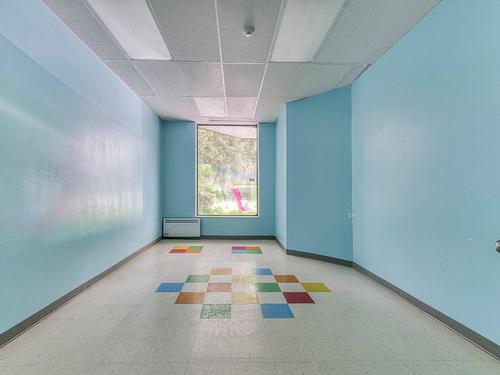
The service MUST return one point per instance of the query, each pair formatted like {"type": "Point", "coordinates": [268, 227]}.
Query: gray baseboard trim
{"type": "Point", "coordinates": [283, 247]}
{"type": "Point", "coordinates": [472, 336]}
{"type": "Point", "coordinates": [303, 254]}
{"type": "Point", "coordinates": [230, 237]}
{"type": "Point", "coordinates": [19, 328]}
{"type": "Point", "coordinates": [324, 258]}
{"type": "Point", "coordinates": [221, 237]}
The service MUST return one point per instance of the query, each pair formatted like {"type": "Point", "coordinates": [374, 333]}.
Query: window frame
{"type": "Point", "coordinates": [257, 215]}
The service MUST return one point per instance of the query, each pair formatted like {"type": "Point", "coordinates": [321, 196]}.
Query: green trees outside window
{"type": "Point", "coordinates": [227, 170]}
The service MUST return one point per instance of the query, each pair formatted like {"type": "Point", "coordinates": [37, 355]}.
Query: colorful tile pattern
{"type": "Point", "coordinates": [221, 271]}
{"type": "Point", "coordinates": [198, 279]}
{"type": "Point", "coordinates": [246, 250]}
{"type": "Point", "coordinates": [242, 298]}
{"type": "Point", "coordinates": [276, 310]}
{"type": "Point", "coordinates": [267, 287]}
{"type": "Point", "coordinates": [186, 249]}
{"type": "Point", "coordinates": [315, 287]}
{"type": "Point", "coordinates": [190, 298]}
{"type": "Point", "coordinates": [286, 279]}
{"type": "Point", "coordinates": [262, 271]}
{"type": "Point", "coordinates": [169, 287]}
{"type": "Point", "coordinates": [219, 287]}
{"type": "Point", "coordinates": [298, 297]}
{"type": "Point", "coordinates": [224, 287]}
{"type": "Point", "coordinates": [216, 311]}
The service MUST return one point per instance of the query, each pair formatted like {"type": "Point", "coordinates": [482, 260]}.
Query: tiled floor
{"type": "Point", "coordinates": [130, 322]}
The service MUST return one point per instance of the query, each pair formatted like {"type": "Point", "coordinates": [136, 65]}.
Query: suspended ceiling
{"type": "Point", "coordinates": [299, 48]}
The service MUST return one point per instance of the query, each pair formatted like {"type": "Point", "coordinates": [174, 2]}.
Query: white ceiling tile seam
{"type": "Point", "coordinates": [106, 29]}
{"type": "Point", "coordinates": [334, 23]}
{"type": "Point", "coordinates": [303, 28]}
{"type": "Point", "coordinates": [110, 34]}
{"type": "Point", "coordinates": [270, 52]}
{"type": "Point", "coordinates": [133, 26]}
{"type": "Point", "coordinates": [162, 32]}
{"type": "Point", "coordinates": [220, 54]}
{"type": "Point", "coordinates": [198, 69]}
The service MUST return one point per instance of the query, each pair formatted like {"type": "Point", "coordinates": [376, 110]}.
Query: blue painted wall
{"type": "Point", "coordinates": [179, 187]}
{"type": "Point", "coordinates": [318, 148]}
{"type": "Point", "coordinates": [79, 163]}
{"type": "Point", "coordinates": [426, 160]}
{"type": "Point", "coordinates": [281, 186]}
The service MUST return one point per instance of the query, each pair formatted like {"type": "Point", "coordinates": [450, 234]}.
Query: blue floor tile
{"type": "Point", "coordinates": [262, 271]}
{"type": "Point", "coordinates": [169, 287]}
{"type": "Point", "coordinates": [239, 252]}
{"type": "Point", "coordinates": [276, 310]}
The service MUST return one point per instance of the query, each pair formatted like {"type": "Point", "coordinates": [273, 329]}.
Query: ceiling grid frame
{"type": "Point", "coordinates": [220, 54]}
{"type": "Point", "coordinates": [270, 52]}
{"type": "Point", "coordinates": [194, 71]}
{"type": "Point", "coordinates": [332, 27]}
{"type": "Point", "coordinates": [110, 34]}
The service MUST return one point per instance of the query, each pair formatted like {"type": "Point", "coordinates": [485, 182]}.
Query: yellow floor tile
{"type": "Point", "coordinates": [243, 279]}
{"type": "Point", "coordinates": [315, 287]}
{"type": "Point", "coordinates": [245, 298]}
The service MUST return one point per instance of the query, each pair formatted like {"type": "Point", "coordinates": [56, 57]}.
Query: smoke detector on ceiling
{"type": "Point", "coordinates": [248, 31]}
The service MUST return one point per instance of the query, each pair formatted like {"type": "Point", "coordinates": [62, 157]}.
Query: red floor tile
{"type": "Point", "coordinates": [219, 287]}
{"type": "Point", "coordinates": [298, 297]}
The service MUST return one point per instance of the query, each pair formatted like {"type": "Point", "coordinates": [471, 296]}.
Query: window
{"type": "Point", "coordinates": [227, 170]}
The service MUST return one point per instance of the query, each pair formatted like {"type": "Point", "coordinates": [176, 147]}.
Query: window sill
{"type": "Point", "coordinates": [228, 217]}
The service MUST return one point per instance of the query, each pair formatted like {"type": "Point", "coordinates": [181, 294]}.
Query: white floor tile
{"type": "Point", "coordinates": [121, 326]}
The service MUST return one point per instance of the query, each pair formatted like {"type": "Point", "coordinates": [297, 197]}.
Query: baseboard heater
{"type": "Point", "coordinates": [181, 227]}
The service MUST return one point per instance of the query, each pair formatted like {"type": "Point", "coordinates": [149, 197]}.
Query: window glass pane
{"type": "Point", "coordinates": [227, 170]}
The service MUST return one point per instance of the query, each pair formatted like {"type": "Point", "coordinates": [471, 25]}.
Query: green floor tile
{"type": "Point", "coordinates": [195, 247]}
{"type": "Point", "coordinates": [254, 252]}
{"type": "Point", "coordinates": [198, 278]}
{"type": "Point", "coordinates": [216, 311]}
{"type": "Point", "coordinates": [267, 287]}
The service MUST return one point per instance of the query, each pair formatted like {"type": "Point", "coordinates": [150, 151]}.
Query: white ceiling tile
{"type": "Point", "coordinates": [234, 15]}
{"type": "Point", "coordinates": [240, 107]}
{"type": "Point", "coordinates": [69, 10]}
{"type": "Point", "coordinates": [269, 109]}
{"type": "Point", "coordinates": [352, 75]}
{"type": "Point", "coordinates": [190, 28]}
{"type": "Point", "coordinates": [133, 26]}
{"type": "Point", "coordinates": [303, 27]}
{"type": "Point", "coordinates": [182, 79]}
{"type": "Point", "coordinates": [366, 29]}
{"type": "Point", "coordinates": [283, 79]}
{"type": "Point", "coordinates": [211, 106]}
{"type": "Point", "coordinates": [164, 77]}
{"type": "Point", "coordinates": [130, 76]}
{"type": "Point", "coordinates": [298, 80]}
{"type": "Point", "coordinates": [173, 108]}
{"type": "Point", "coordinates": [243, 79]}
{"type": "Point", "coordinates": [321, 78]}
{"type": "Point", "coordinates": [86, 26]}
{"type": "Point", "coordinates": [203, 79]}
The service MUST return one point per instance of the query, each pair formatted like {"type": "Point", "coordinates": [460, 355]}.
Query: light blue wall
{"type": "Point", "coordinates": [281, 187]}
{"type": "Point", "coordinates": [318, 136]}
{"type": "Point", "coordinates": [79, 163]}
{"type": "Point", "coordinates": [178, 165]}
{"type": "Point", "coordinates": [426, 164]}
{"type": "Point", "coordinates": [179, 187]}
